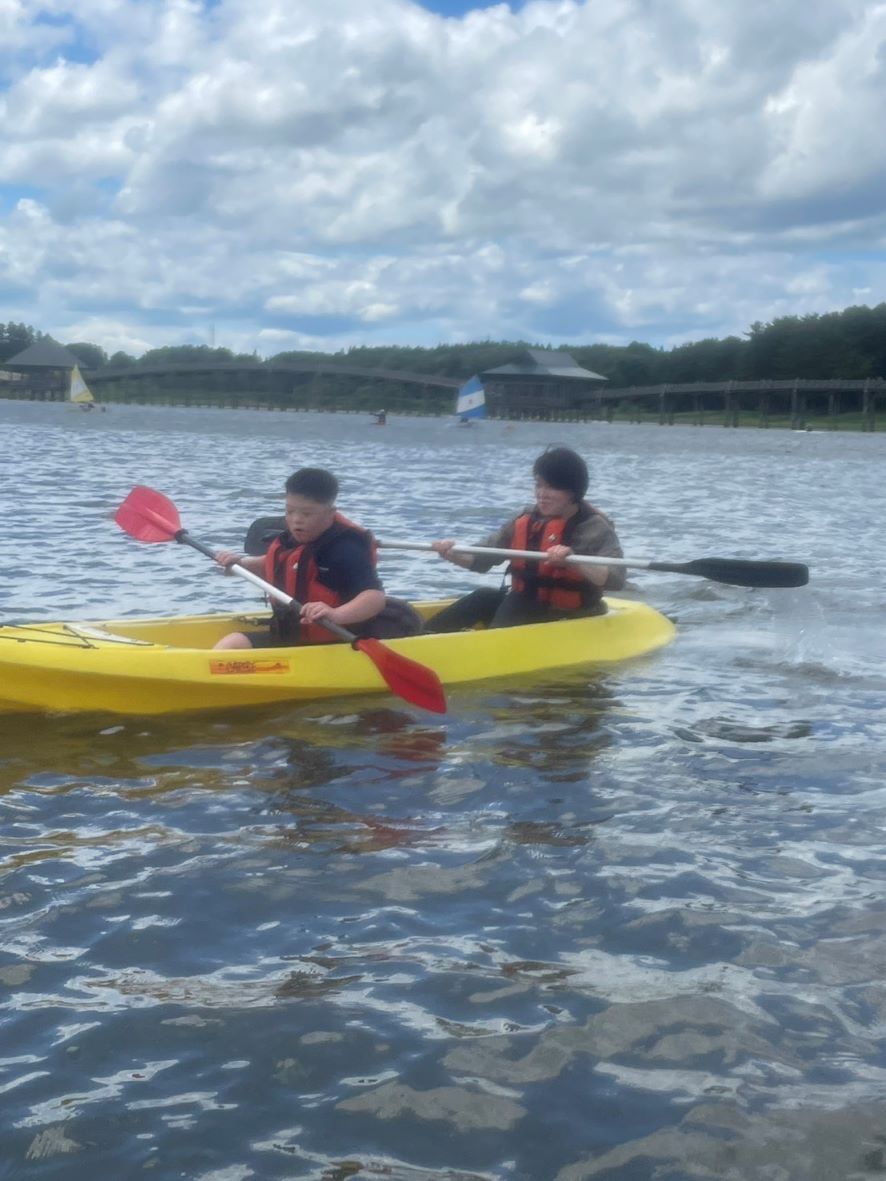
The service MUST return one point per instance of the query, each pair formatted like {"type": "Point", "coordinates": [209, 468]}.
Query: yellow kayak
{"type": "Point", "coordinates": [157, 666]}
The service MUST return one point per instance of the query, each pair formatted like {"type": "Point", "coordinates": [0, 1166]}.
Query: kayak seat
{"type": "Point", "coordinates": [261, 533]}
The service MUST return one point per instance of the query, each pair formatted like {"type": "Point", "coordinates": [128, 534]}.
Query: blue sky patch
{"type": "Point", "coordinates": [10, 195]}
{"type": "Point", "coordinates": [461, 7]}
{"type": "Point", "coordinates": [76, 45]}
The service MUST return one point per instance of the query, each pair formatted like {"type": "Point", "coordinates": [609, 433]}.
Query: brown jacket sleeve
{"type": "Point", "coordinates": [597, 535]}
{"type": "Point", "coordinates": [501, 539]}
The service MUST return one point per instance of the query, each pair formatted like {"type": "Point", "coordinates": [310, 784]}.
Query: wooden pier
{"type": "Point", "coordinates": [848, 403]}
{"type": "Point", "coordinates": [748, 403]}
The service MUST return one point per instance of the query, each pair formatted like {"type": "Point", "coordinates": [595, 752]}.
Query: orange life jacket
{"type": "Point", "coordinates": [560, 587]}
{"type": "Point", "coordinates": [294, 567]}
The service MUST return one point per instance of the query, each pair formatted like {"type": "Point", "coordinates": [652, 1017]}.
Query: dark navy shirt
{"type": "Point", "coordinates": [345, 566]}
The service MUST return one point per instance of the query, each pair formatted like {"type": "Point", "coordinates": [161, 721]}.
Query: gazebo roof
{"type": "Point", "coordinates": [544, 363]}
{"type": "Point", "coordinates": [45, 354]}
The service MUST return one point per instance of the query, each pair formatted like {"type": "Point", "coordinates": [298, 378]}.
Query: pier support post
{"type": "Point", "coordinates": [867, 407]}
{"type": "Point", "coordinates": [730, 409]}
{"type": "Point", "coordinates": [798, 409]}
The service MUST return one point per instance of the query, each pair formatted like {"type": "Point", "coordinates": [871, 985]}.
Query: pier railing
{"type": "Point", "coordinates": [797, 399]}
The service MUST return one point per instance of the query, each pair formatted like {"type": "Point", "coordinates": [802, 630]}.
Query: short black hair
{"type": "Point", "coordinates": [563, 469]}
{"type": "Point", "coordinates": [314, 483]}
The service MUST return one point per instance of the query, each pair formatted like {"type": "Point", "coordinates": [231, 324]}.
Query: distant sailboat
{"type": "Point", "coordinates": [470, 401]}
{"type": "Point", "coordinates": [80, 392]}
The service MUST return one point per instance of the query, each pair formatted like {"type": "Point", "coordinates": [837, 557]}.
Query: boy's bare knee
{"type": "Point", "coordinates": [234, 640]}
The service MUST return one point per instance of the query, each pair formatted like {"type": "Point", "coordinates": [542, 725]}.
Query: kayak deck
{"type": "Point", "coordinates": [167, 665]}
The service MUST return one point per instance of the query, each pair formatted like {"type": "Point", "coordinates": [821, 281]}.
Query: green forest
{"type": "Point", "coordinates": [850, 343]}
{"type": "Point", "coordinates": [845, 344]}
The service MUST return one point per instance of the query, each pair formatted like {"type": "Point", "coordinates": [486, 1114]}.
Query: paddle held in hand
{"type": "Point", "coordinates": [732, 571]}
{"type": "Point", "coordinates": [148, 515]}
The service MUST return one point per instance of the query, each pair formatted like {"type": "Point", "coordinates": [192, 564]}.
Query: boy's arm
{"type": "Point", "coordinates": [479, 563]}
{"type": "Point", "coordinates": [354, 577]}
{"type": "Point", "coordinates": [598, 537]}
{"type": "Point", "coordinates": [364, 606]}
{"type": "Point", "coordinates": [228, 558]}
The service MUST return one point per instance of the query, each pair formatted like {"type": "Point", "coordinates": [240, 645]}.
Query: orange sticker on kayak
{"type": "Point", "coordinates": [247, 667]}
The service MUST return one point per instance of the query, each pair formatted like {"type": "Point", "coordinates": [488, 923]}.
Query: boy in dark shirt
{"type": "Point", "coordinates": [327, 563]}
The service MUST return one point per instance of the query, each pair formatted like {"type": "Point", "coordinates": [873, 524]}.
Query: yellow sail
{"type": "Point", "coordinates": [80, 391]}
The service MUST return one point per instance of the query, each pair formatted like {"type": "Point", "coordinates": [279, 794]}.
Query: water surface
{"type": "Point", "coordinates": [625, 925]}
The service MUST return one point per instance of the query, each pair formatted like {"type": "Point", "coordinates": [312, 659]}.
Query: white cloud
{"type": "Point", "coordinates": [828, 119]}
{"type": "Point", "coordinates": [345, 173]}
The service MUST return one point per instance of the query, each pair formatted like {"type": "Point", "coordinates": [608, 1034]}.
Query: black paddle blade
{"type": "Point", "coordinates": [736, 572]}
{"type": "Point", "coordinates": [413, 682]}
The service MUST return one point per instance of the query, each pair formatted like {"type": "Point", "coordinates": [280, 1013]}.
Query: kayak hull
{"type": "Point", "coordinates": [167, 665]}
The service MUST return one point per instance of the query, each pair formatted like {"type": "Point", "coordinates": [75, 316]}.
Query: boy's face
{"type": "Point", "coordinates": [307, 519]}
{"type": "Point", "coordinates": [553, 502]}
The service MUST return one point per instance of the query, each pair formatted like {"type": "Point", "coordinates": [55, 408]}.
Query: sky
{"type": "Point", "coordinates": [287, 174]}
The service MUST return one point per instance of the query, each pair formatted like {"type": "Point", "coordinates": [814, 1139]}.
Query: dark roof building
{"type": "Point", "coordinates": [47, 368]}
{"type": "Point", "coordinates": [45, 354]}
{"type": "Point", "coordinates": [540, 383]}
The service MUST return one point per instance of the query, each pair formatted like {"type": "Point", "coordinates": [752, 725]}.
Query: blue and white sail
{"type": "Point", "coordinates": [470, 401]}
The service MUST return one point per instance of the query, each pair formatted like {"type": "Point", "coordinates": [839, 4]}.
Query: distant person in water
{"type": "Point", "coordinates": [381, 417]}
{"type": "Point", "coordinates": [560, 523]}
{"type": "Point", "coordinates": [327, 563]}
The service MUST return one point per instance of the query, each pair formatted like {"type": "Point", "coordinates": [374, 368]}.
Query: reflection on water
{"type": "Point", "coordinates": [619, 926]}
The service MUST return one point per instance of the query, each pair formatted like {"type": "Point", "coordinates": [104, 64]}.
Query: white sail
{"type": "Point", "coordinates": [470, 402]}
{"type": "Point", "coordinates": [80, 391]}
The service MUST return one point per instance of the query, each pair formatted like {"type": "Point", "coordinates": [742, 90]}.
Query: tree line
{"type": "Point", "coordinates": [845, 344]}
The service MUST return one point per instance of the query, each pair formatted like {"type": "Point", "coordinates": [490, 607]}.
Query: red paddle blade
{"type": "Point", "coordinates": [411, 681]}
{"type": "Point", "coordinates": [148, 515]}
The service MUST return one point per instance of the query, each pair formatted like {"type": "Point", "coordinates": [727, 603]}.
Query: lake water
{"type": "Point", "coordinates": [622, 926]}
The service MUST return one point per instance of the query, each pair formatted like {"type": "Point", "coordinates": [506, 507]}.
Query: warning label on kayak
{"type": "Point", "coordinates": [241, 667]}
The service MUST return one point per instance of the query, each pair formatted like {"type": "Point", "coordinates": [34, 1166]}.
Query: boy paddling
{"type": "Point", "coordinates": [327, 563]}
{"type": "Point", "coordinates": [560, 523]}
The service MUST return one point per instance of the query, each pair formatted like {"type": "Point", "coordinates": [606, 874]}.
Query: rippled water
{"type": "Point", "coordinates": [618, 926]}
